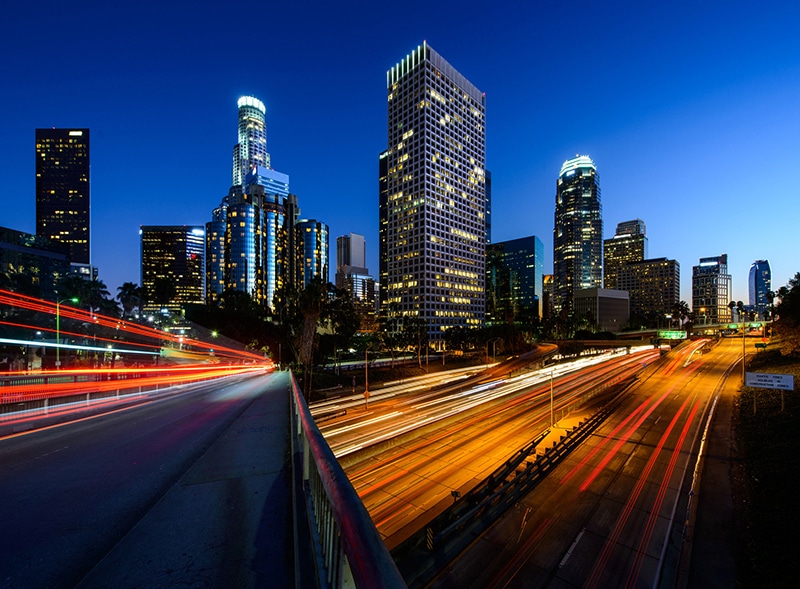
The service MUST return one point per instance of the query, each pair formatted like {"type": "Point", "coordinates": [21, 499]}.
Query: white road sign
{"type": "Point", "coordinates": [765, 380]}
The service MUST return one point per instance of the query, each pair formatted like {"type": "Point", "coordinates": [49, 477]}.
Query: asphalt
{"type": "Point", "coordinates": [228, 521]}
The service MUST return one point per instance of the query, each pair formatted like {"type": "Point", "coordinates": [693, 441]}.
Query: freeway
{"type": "Point", "coordinates": [613, 514]}
{"type": "Point", "coordinates": [71, 492]}
{"type": "Point", "coordinates": [407, 454]}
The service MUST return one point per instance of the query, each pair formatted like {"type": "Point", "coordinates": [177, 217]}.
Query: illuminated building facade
{"type": "Point", "coordinates": [251, 150]}
{"type": "Point", "coordinates": [215, 252]}
{"type": "Point", "coordinates": [711, 289]}
{"type": "Point", "coordinates": [62, 190]}
{"type": "Point", "coordinates": [759, 284]}
{"type": "Point", "coordinates": [577, 232]}
{"type": "Point", "coordinates": [433, 199]}
{"type": "Point", "coordinates": [548, 288]}
{"type": "Point", "coordinates": [654, 287]}
{"type": "Point", "coordinates": [514, 281]}
{"type": "Point", "coordinates": [629, 244]}
{"type": "Point", "coordinates": [172, 255]}
{"type": "Point", "coordinates": [313, 239]}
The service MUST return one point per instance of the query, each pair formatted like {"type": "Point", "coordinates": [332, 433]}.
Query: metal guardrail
{"type": "Point", "coordinates": [347, 543]}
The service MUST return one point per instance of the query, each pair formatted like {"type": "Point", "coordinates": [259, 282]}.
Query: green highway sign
{"type": "Point", "coordinates": [671, 335]}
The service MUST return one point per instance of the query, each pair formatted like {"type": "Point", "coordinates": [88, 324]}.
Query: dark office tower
{"type": "Point", "coordinates": [215, 253]}
{"type": "Point", "coordinates": [514, 281]}
{"type": "Point", "coordinates": [711, 289]}
{"type": "Point", "coordinates": [314, 242]}
{"type": "Point", "coordinates": [172, 266]}
{"type": "Point", "coordinates": [435, 209]}
{"type": "Point", "coordinates": [547, 295]}
{"type": "Point", "coordinates": [62, 190]}
{"type": "Point", "coordinates": [759, 284]}
{"type": "Point", "coordinates": [629, 244]}
{"type": "Point", "coordinates": [31, 263]}
{"type": "Point", "coordinates": [654, 286]}
{"type": "Point", "coordinates": [251, 150]}
{"type": "Point", "coordinates": [383, 229]}
{"type": "Point", "coordinates": [577, 233]}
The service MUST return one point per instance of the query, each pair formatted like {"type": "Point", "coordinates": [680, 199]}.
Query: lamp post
{"type": "Point", "coordinates": [58, 329]}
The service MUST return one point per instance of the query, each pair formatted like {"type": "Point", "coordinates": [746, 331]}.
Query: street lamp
{"type": "Point", "coordinates": [492, 341]}
{"type": "Point", "coordinates": [58, 329]}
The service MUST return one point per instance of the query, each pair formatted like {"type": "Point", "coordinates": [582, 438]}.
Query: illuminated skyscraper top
{"type": "Point", "coordinates": [251, 151]}
{"type": "Point", "coordinates": [577, 232]}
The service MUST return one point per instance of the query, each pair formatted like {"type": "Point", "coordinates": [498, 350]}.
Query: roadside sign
{"type": "Point", "coordinates": [766, 380]}
{"type": "Point", "coordinates": [671, 334]}
{"type": "Point", "coordinates": [761, 345]}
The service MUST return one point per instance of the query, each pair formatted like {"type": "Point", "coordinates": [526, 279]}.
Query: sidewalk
{"type": "Point", "coordinates": [228, 520]}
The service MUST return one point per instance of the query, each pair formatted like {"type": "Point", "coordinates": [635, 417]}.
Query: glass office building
{"type": "Point", "coordinates": [514, 281]}
{"type": "Point", "coordinates": [759, 284]}
{"type": "Point", "coordinates": [711, 289]}
{"type": "Point", "coordinates": [628, 245]}
{"type": "Point", "coordinates": [175, 254]}
{"type": "Point", "coordinates": [313, 239]}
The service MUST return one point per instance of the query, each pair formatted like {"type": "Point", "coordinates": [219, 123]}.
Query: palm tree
{"type": "Point", "coordinates": [128, 296]}
{"type": "Point", "coordinates": [680, 311]}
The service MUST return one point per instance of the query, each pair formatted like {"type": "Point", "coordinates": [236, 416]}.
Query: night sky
{"type": "Point", "coordinates": [688, 108]}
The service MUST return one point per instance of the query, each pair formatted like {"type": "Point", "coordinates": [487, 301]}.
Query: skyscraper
{"type": "Point", "coordinates": [629, 244]}
{"type": "Point", "coordinates": [433, 219]}
{"type": "Point", "coordinates": [514, 280]}
{"type": "Point", "coordinates": [577, 232]}
{"type": "Point", "coordinates": [711, 289]}
{"type": "Point", "coordinates": [62, 190]}
{"type": "Point", "coordinates": [353, 276]}
{"type": "Point", "coordinates": [251, 150]}
{"type": "Point", "coordinates": [313, 239]}
{"type": "Point", "coordinates": [759, 284]}
{"type": "Point", "coordinates": [172, 255]}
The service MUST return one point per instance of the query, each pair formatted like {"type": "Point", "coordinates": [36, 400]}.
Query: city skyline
{"type": "Point", "coordinates": [686, 117]}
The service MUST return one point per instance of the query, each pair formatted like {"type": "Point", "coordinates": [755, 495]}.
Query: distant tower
{"type": "Point", "coordinates": [654, 286]}
{"type": "Point", "coordinates": [759, 284]}
{"type": "Point", "coordinates": [433, 201]}
{"type": "Point", "coordinates": [62, 190]}
{"type": "Point", "coordinates": [711, 289]}
{"type": "Point", "coordinates": [173, 254]}
{"type": "Point", "coordinates": [628, 245]}
{"type": "Point", "coordinates": [353, 276]}
{"type": "Point", "coordinates": [577, 232]}
{"type": "Point", "coordinates": [251, 150]}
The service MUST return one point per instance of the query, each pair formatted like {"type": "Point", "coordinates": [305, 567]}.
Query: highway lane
{"type": "Point", "coordinates": [611, 515]}
{"type": "Point", "coordinates": [70, 492]}
{"type": "Point", "coordinates": [468, 434]}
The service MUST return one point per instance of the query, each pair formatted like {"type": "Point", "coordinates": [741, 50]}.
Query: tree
{"type": "Point", "coordinates": [680, 311]}
{"type": "Point", "coordinates": [130, 297]}
{"type": "Point", "coordinates": [787, 313]}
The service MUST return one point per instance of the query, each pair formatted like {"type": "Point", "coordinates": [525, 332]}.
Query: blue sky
{"type": "Point", "coordinates": [689, 109]}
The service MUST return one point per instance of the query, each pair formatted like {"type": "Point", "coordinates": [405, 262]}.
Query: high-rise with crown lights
{"type": "Point", "coordinates": [759, 284]}
{"type": "Point", "coordinates": [433, 199]}
{"type": "Point", "coordinates": [251, 150]}
{"type": "Point", "coordinates": [577, 232]}
{"type": "Point", "coordinates": [62, 190]}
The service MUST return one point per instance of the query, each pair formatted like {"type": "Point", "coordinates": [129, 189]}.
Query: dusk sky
{"type": "Point", "coordinates": [690, 110]}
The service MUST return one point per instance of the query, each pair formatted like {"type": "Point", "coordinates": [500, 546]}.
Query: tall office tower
{"type": "Point", "coordinates": [251, 150]}
{"type": "Point", "coordinates": [434, 209]}
{"type": "Point", "coordinates": [759, 284]}
{"type": "Point", "coordinates": [654, 286]}
{"type": "Point", "coordinates": [172, 257]}
{"type": "Point", "coordinates": [215, 252]}
{"type": "Point", "coordinates": [62, 190]}
{"type": "Point", "coordinates": [711, 289]}
{"type": "Point", "coordinates": [577, 232]}
{"type": "Point", "coordinates": [383, 228]}
{"type": "Point", "coordinates": [353, 276]}
{"type": "Point", "coordinates": [312, 237]}
{"type": "Point", "coordinates": [514, 281]}
{"type": "Point", "coordinates": [629, 244]}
